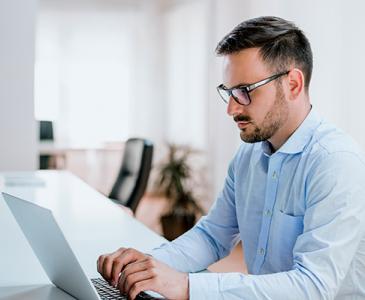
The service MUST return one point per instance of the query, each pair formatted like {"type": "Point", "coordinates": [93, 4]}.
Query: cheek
{"type": "Point", "coordinates": [261, 104]}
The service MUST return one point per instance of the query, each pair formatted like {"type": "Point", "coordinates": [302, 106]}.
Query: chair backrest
{"type": "Point", "coordinates": [132, 179]}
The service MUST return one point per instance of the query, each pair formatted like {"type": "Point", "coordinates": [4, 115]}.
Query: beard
{"type": "Point", "coordinates": [273, 120]}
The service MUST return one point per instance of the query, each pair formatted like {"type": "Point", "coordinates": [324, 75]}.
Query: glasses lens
{"type": "Point", "coordinates": [224, 94]}
{"type": "Point", "coordinates": [241, 96]}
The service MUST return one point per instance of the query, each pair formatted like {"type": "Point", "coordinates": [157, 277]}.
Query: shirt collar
{"type": "Point", "coordinates": [300, 138]}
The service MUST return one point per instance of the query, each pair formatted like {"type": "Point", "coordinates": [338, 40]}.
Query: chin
{"type": "Point", "coordinates": [245, 136]}
{"type": "Point", "coordinates": [246, 139]}
{"type": "Point", "coordinates": [250, 138]}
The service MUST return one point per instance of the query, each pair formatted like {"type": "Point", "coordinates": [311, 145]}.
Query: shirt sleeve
{"type": "Point", "coordinates": [333, 228]}
{"type": "Point", "coordinates": [211, 239]}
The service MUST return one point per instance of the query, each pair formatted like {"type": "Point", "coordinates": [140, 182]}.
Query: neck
{"type": "Point", "coordinates": [289, 127]}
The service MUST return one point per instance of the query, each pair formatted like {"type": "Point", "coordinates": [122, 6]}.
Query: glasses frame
{"type": "Point", "coordinates": [247, 88]}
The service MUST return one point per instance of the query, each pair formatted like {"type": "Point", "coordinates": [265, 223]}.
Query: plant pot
{"type": "Point", "coordinates": [175, 224]}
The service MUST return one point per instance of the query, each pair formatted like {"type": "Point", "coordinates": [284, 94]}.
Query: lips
{"type": "Point", "coordinates": [242, 124]}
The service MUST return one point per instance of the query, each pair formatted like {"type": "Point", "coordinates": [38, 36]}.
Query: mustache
{"type": "Point", "coordinates": [242, 118]}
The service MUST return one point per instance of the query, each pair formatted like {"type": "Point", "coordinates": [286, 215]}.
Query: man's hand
{"type": "Point", "coordinates": [133, 272]}
{"type": "Point", "coordinates": [111, 265]}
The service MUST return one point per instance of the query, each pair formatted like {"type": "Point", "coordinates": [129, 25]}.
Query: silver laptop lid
{"type": "Point", "coordinates": [51, 248]}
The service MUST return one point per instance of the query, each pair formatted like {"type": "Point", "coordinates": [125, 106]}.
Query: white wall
{"type": "Point", "coordinates": [186, 72]}
{"type": "Point", "coordinates": [17, 125]}
{"type": "Point", "coordinates": [147, 105]}
{"type": "Point", "coordinates": [83, 69]}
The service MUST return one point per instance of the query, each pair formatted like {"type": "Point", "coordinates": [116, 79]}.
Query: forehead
{"type": "Point", "coordinates": [243, 67]}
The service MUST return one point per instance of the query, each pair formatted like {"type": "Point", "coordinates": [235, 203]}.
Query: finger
{"type": "Point", "coordinates": [133, 268]}
{"type": "Point", "coordinates": [99, 263]}
{"type": "Point", "coordinates": [107, 263]}
{"type": "Point", "coordinates": [132, 279]}
{"type": "Point", "coordinates": [127, 257]}
{"type": "Point", "coordinates": [144, 285]}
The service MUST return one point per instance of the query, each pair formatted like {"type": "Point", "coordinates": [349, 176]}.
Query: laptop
{"type": "Point", "coordinates": [56, 256]}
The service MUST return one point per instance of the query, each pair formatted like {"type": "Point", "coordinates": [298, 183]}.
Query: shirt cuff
{"type": "Point", "coordinates": [204, 286]}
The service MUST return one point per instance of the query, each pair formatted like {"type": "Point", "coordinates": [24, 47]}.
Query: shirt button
{"type": "Point", "coordinates": [267, 213]}
{"type": "Point", "coordinates": [261, 251]}
{"type": "Point", "coordinates": [274, 175]}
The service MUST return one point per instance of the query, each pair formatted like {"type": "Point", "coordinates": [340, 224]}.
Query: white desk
{"type": "Point", "coordinates": [92, 224]}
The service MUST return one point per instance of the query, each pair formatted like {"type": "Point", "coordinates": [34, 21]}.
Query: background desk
{"type": "Point", "coordinates": [89, 163]}
{"type": "Point", "coordinates": [92, 224]}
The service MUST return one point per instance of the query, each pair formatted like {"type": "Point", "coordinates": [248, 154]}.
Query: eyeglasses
{"type": "Point", "coordinates": [241, 93]}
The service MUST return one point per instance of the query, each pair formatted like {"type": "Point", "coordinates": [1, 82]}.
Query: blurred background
{"type": "Point", "coordinates": [103, 71]}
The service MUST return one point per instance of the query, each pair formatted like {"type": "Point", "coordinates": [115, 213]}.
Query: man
{"type": "Point", "coordinates": [294, 193]}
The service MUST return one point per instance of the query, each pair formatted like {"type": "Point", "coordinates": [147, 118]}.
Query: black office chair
{"type": "Point", "coordinates": [132, 179]}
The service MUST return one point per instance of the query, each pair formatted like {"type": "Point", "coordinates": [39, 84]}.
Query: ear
{"type": "Point", "coordinates": [296, 83]}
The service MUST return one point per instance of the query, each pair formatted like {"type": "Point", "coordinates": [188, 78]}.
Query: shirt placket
{"type": "Point", "coordinates": [272, 182]}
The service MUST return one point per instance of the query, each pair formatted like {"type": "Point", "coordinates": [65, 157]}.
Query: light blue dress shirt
{"type": "Point", "coordinates": [300, 213]}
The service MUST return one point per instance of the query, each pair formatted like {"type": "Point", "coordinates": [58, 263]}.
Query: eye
{"type": "Point", "coordinates": [240, 93]}
{"type": "Point", "coordinates": [241, 96]}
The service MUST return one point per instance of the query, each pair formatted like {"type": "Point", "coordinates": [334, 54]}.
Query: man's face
{"type": "Point", "coordinates": [268, 110]}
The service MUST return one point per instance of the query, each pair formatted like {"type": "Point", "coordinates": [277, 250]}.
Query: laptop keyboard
{"type": "Point", "coordinates": [107, 292]}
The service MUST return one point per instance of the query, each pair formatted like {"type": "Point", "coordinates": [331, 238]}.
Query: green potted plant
{"type": "Point", "coordinates": [172, 182]}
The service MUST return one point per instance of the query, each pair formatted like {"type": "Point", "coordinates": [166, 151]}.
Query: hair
{"type": "Point", "coordinates": [281, 44]}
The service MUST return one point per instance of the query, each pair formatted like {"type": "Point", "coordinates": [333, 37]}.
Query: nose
{"type": "Point", "coordinates": [234, 108]}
